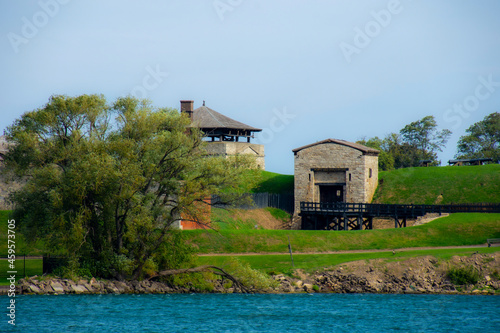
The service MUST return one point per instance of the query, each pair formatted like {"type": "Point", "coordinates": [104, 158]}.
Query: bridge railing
{"type": "Point", "coordinates": [337, 208]}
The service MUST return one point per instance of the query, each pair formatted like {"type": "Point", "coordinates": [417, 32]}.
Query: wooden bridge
{"type": "Point", "coordinates": [359, 216]}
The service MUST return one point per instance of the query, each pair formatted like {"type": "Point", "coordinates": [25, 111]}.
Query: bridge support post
{"type": "Point", "coordinates": [399, 224]}
{"type": "Point", "coordinates": [368, 223]}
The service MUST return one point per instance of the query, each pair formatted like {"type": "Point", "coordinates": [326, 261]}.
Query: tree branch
{"type": "Point", "coordinates": [205, 268]}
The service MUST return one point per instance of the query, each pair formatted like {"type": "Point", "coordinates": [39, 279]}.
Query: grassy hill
{"type": "Point", "coordinates": [272, 182]}
{"type": "Point", "coordinates": [454, 230]}
{"type": "Point", "coordinates": [433, 185]}
{"type": "Point", "coordinates": [440, 185]}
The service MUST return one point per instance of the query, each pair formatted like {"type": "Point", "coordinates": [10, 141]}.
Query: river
{"type": "Point", "coordinates": [254, 313]}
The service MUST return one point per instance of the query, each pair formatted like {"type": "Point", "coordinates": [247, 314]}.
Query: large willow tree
{"type": "Point", "coordinates": [104, 183]}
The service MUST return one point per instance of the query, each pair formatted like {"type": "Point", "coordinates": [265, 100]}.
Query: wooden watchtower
{"type": "Point", "coordinates": [225, 136]}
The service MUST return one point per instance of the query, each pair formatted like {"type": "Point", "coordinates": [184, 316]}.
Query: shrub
{"type": "Point", "coordinates": [249, 277]}
{"type": "Point", "coordinates": [199, 282]}
{"type": "Point", "coordinates": [463, 275]}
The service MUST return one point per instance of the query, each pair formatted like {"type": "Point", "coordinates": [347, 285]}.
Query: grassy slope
{"type": "Point", "coordinates": [276, 264]}
{"type": "Point", "coordinates": [465, 184]}
{"type": "Point", "coordinates": [274, 183]}
{"type": "Point", "coordinates": [454, 230]}
{"type": "Point", "coordinates": [413, 185]}
{"type": "Point", "coordinates": [265, 218]}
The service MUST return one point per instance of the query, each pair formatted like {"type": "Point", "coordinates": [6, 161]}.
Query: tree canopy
{"type": "Point", "coordinates": [104, 183]}
{"type": "Point", "coordinates": [482, 139]}
{"type": "Point", "coordinates": [417, 141]}
{"type": "Point", "coordinates": [425, 139]}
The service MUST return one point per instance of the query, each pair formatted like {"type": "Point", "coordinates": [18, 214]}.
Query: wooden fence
{"type": "Point", "coordinates": [261, 200]}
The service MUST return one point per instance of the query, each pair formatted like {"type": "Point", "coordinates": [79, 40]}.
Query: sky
{"type": "Point", "coordinates": [303, 71]}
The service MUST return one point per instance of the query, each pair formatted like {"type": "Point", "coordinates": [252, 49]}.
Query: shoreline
{"type": "Point", "coordinates": [110, 287]}
{"type": "Point", "coordinates": [419, 275]}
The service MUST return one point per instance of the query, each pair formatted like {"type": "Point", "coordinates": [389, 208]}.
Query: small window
{"type": "Point", "coordinates": [370, 173]}
{"type": "Point", "coordinates": [349, 177]}
{"type": "Point", "coordinates": [309, 177]}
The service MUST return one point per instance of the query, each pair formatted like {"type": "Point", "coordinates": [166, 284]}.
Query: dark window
{"type": "Point", "coordinates": [370, 172]}
{"type": "Point", "coordinates": [329, 193]}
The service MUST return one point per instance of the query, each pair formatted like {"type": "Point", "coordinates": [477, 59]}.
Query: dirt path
{"type": "Point", "coordinates": [351, 251]}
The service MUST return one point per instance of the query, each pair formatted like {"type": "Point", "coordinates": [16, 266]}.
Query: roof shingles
{"type": "Point", "coordinates": [206, 118]}
{"type": "Point", "coordinates": [364, 149]}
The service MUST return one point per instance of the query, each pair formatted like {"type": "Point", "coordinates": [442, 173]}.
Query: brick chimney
{"type": "Point", "coordinates": [187, 107]}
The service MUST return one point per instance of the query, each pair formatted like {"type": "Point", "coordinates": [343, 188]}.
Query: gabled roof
{"type": "Point", "coordinates": [206, 118]}
{"type": "Point", "coordinates": [364, 149]}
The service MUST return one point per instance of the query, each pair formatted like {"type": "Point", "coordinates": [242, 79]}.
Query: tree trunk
{"type": "Point", "coordinates": [206, 268]}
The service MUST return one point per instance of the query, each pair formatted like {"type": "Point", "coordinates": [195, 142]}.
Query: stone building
{"type": "Point", "coordinates": [6, 185]}
{"type": "Point", "coordinates": [225, 136]}
{"type": "Point", "coordinates": [335, 171]}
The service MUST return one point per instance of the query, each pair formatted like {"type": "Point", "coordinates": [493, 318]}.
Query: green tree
{"type": "Point", "coordinates": [417, 141]}
{"type": "Point", "coordinates": [385, 159]}
{"type": "Point", "coordinates": [425, 139]}
{"type": "Point", "coordinates": [394, 153]}
{"type": "Point", "coordinates": [105, 183]}
{"type": "Point", "coordinates": [482, 140]}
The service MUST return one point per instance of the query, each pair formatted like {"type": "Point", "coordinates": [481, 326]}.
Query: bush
{"type": "Point", "coordinates": [199, 282]}
{"type": "Point", "coordinates": [249, 277]}
{"type": "Point", "coordinates": [463, 275]}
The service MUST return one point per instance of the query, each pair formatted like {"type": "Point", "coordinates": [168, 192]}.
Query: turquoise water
{"type": "Point", "coordinates": [254, 313]}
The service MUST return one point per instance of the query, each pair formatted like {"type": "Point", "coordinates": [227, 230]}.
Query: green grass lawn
{"type": "Point", "coordinates": [29, 267]}
{"type": "Point", "coordinates": [19, 240]}
{"type": "Point", "coordinates": [271, 182]}
{"type": "Point", "coordinates": [454, 230]}
{"type": "Point", "coordinates": [440, 185]}
{"type": "Point", "coordinates": [276, 264]}
{"type": "Point", "coordinates": [433, 185]}
{"type": "Point", "coordinates": [22, 248]}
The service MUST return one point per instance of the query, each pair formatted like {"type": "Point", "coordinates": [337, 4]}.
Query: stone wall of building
{"type": "Point", "coordinates": [7, 186]}
{"type": "Point", "coordinates": [331, 163]}
{"type": "Point", "coordinates": [228, 148]}
{"type": "Point", "coordinates": [371, 163]}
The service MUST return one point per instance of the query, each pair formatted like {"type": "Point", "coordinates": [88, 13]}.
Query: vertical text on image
{"type": "Point", "coordinates": [11, 272]}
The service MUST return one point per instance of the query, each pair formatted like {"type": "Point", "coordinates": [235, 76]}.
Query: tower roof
{"type": "Point", "coordinates": [363, 149]}
{"type": "Point", "coordinates": [206, 118]}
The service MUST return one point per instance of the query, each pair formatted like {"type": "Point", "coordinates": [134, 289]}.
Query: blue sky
{"type": "Point", "coordinates": [303, 71]}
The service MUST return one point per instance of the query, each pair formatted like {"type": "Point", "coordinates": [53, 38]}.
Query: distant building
{"type": "Point", "coordinates": [225, 136]}
{"type": "Point", "coordinates": [335, 171]}
{"type": "Point", "coordinates": [6, 184]}
{"type": "Point", "coordinates": [4, 147]}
